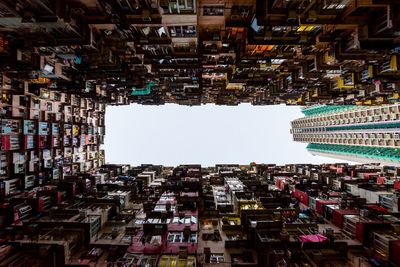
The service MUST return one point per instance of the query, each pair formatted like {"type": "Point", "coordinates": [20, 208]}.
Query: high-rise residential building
{"type": "Point", "coordinates": [355, 133]}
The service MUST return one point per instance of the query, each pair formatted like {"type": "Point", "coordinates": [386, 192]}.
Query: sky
{"type": "Point", "coordinates": [172, 135]}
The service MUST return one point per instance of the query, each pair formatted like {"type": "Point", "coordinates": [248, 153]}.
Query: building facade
{"type": "Point", "coordinates": [356, 133]}
{"type": "Point", "coordinates": [193, 52]}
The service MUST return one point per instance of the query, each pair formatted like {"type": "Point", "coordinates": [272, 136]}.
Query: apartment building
{"type": "Point", "coordinates": [193, 52]}
{"type": "Point", "coordinates": [356, 133]}
{"type": "Point", "coordinates": [47, 135]}
{"type": "Point", "coordinates": [227, 215]}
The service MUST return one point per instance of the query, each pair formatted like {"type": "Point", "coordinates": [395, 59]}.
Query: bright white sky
{"type": "Point", "coordinates": [171, 135]}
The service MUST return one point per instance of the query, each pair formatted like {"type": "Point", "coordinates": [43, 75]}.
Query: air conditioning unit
{"type": "Point", "coordinates": [235, 13]}
{"type": "Point", "coordinates": [216, 37]}
{"type": "Point", "coordinates": [385, 66]}
{"type": "Point", "coordinates": [367, 73]}
{"type": "Point", "coordinates": [153, 3]}
{"type": "Point", "coordinates": [292, 16]}
{"type": "Point", "coordinates": [24, 211]}
{"type": "Point", "coordinates": [348, 79]}
{"type": "Point", "coordinates": [303, 39]}
{"type": "Point", "coordinates": [146, 15]}
{"type": "Point", "coordinates": [312, 16]}
{"type": "Point", "coordinates": [268, 35]}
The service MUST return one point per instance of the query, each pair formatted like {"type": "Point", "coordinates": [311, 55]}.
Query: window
{"type": "Point", "coordinates": [161, 31]}
{"type": "Point", "coordinates": [178, 237]}
{"type": "Point", "coordinates": [240, 12]}
{"type": "Point", "coordinates": [175, 237]}
{"type": "Point", "coordinates": [185, 220]}
{"type": "Point", "coordinates": [193, 238]}
{"type": "Point", "coordinates": [186, 4]}
{"type": "Point", "coordinates": [182, 31]}
{"type": "Point", "coordinates": [184, 47]}
{"type": "Point", "coordinates": [213, 11]}
{"type": "Point", "coordinates": [145, 31]}
{"type": "Point", "coordinates": [57, 96]}
{"type": "Point", "coordinates": [336, 4]}
{"type": "Point", "coordinates": [217, 258]}
{"type": "Point", "coordinates": [181, 6]}
{"type": "Point", "coordinates": [163, 208]}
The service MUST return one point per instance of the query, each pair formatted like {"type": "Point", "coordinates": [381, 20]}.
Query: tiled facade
{"type": "Point", "coordinates": [363, 134]}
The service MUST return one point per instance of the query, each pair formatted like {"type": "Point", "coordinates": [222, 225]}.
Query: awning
{"type": "Point", "coordinates": [313, 238]}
